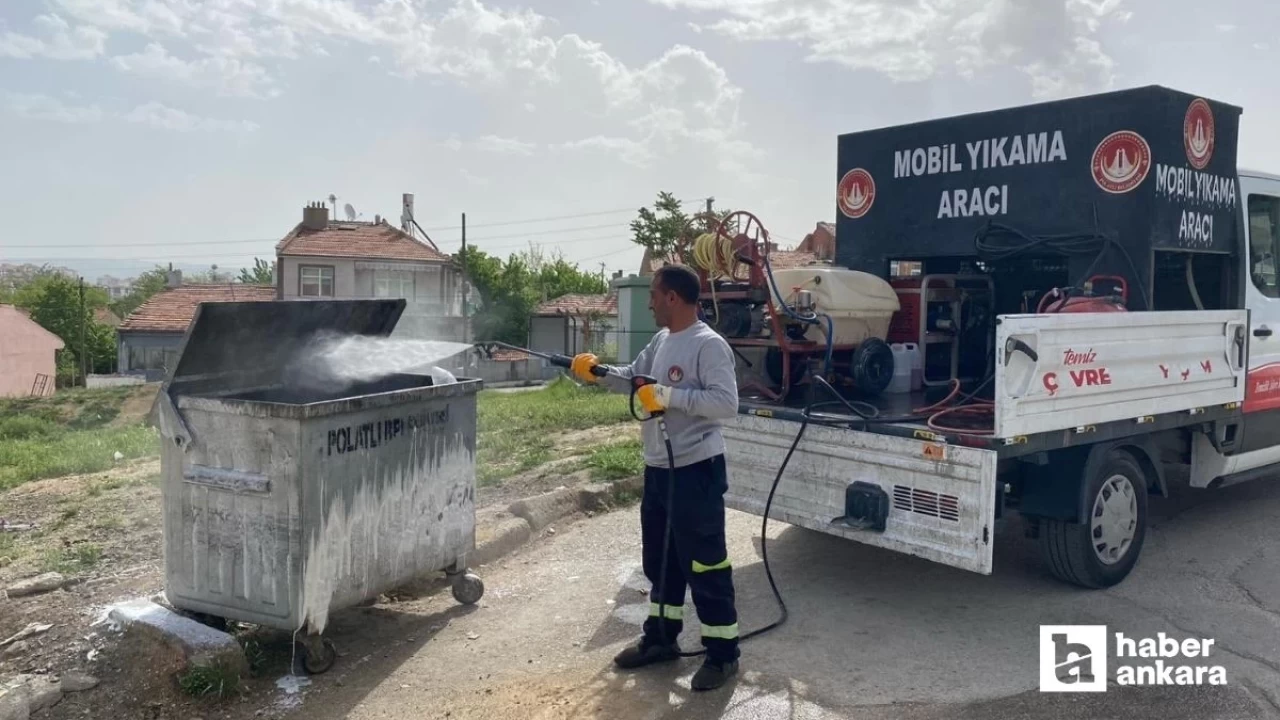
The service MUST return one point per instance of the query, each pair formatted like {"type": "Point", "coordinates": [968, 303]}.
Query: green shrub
{"type": "Point", "coordinates": [25, 427]}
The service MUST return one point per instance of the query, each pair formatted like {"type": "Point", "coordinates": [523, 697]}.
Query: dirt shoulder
{"type": "Point", "coordinates": [103, 533]}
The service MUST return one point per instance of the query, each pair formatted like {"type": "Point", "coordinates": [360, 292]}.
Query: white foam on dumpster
{"type": "Point", "coordinates": [389, 526]}
{"type": "Point", "coordinates": [337, 361]}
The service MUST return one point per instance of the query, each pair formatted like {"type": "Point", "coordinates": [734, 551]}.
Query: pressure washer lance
{"type": "Point", "coordinates": [637, 382]}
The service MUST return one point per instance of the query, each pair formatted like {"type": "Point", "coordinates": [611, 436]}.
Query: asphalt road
{"type": "Point", "coordinates": [871, 634]}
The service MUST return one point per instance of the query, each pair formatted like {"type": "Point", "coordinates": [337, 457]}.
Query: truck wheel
{"type": "Point", "coordinates": [1102, 550]}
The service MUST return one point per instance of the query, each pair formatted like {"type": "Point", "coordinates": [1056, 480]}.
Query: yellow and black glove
{"type": "Point", "coordinates": [654, 398]}
{"type": "Point", "coordinates": [581, 367]}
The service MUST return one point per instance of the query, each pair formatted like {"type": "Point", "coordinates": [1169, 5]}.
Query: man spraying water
{"type": "Point", "coordinates": [696, 391]}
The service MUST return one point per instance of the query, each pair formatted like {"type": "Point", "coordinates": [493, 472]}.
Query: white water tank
{"type": "Point", "coordinates": [861, 305]}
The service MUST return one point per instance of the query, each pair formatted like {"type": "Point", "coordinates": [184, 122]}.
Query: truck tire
{"type": "Point", "coordinates": [1102, 550]}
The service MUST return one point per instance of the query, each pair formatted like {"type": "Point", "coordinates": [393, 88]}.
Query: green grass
{"type": "Point", "coordinates": [68, 433]}
{"type": "Point", "coordinates": [27, 427]}
{"type": "Point", "coordinates": [72, 408]}
{"type": "Point", "coordinates": [616, 461]}
{"type": "Point", "coordinates": [68, 452]}
{"type": "Point", "coordinates": [517, 431]}
{"type": "Point", "coordinates": [69, 561]}
{"type": "Point", "coordinates": [209, 681]}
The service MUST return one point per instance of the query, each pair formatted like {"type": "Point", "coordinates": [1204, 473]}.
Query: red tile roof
{"type": "Point", "coordinates": [172, 309]}
{"type": "Point", "coordinates": [378, 241]}
{"type": "Point", "coordinates": [575, 304]}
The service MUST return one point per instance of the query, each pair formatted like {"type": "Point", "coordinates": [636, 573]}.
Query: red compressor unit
{"type": "Point", "coordinates": [1060, 301]}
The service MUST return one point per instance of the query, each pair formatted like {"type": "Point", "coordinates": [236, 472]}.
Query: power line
{"type": "Point", "coordinates": [554, 217]}
{"type": "Point", "coordinates": [216, 256]}
{"type": "Point", "coordinates": [505, 223]}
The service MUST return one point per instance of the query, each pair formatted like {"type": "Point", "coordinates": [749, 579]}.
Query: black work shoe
{"type": "Point", "coordinates": [712, 675]}
{"type": "Point", "coordinates": [645, 653]}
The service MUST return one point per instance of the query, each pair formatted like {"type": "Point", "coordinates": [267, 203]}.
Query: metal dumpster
{"type": "Point", "coordinates": [284, 503]}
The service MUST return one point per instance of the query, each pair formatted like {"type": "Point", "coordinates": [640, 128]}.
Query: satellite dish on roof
{"type": "Point", "coordinates": [350, 211]}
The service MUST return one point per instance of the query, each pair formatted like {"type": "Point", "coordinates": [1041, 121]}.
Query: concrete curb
{"type": "Point", "coordinates": [502, 538]}
{"type": "Point", "coordinates": [529, 517]}
{"type": "Point", "coordinates": [542, 510]}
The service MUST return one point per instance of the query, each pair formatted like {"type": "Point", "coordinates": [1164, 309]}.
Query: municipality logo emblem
{"type": "Point", "coordinates": [1073, 658]}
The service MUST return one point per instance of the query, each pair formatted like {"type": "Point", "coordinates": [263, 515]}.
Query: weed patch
{"type": "Point", "coordinates": [71, 560]}
{"type": "Point", "coordinates": [616, 461]}
{"type": "Point", "coordinates": [72, 452]}
{"type": "Point", "coordinates": [217, 681]}
{"type": "Point", "coordinates": [26, 427]}
{"type": "Point", "coordinates": [517, 431]}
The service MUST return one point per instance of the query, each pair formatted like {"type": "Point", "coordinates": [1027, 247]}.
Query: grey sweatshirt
{"type": "Point", "coordinates": [698, 365]}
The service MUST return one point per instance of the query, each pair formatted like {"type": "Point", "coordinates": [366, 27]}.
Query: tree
{"type": "Point", "coordinates": [53, 301]}
{"type": "Point", "coordinates": [666, 226]}
{"type": "Point", "coordinates": [263, 273]}
{"type": "Point", "coordinates": [509, 290]}
{"type": "Point", "coordinates": [144, 286]}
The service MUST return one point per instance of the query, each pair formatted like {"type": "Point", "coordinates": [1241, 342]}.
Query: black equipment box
{"type": "Point", "coordinates": [1149, 168]}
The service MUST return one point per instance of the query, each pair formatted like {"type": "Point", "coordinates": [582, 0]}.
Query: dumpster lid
{"type": "Point", "coordinates": [236, 345]}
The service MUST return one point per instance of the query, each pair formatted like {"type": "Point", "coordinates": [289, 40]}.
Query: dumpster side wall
{"type": "Point", "coordinates": [232, 518]}
{"type": "Point", "coordinates": [389, 496]}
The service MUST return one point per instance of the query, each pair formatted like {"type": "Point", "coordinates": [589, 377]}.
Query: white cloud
{"type": "Point", "coordinates": [54, 38]}
{"type": "Point", "coordinates": [1052, 41]}
{"type": "Point", "coordinates": [156, 115]}
{"type": "Point", "coordinates": [680, 102]}
{"type": "Point", "coordinates": [629, 151]}
{"type": "Point", "coordinates": [51, 109]}
{"type": "Point", "coordinates": [148, 17]}
{"type": "Point", "coordinates": [228, 76]}
{"type": "Point", "coordinates": [153, 114]}
{"type": "Point", "coordinates": [504, 146]}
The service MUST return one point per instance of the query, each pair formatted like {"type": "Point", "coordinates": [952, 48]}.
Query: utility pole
{"type": "Point", "coordinates": [466, 331]}
{"type": "Point", "coordinates": [710, 202]}
{"type": "Point", "coordinates": [83, 361]}
{"type": "Point", "coordinates": [602, 270]}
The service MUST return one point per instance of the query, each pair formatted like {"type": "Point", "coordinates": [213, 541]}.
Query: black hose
{"type": "Point", "coordinates": [807, 415]}
{"type": "Point", "coordinates": [764, 526]}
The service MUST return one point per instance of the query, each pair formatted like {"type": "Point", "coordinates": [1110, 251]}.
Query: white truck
{"type": "Point", "coordinates": [1087, 409]}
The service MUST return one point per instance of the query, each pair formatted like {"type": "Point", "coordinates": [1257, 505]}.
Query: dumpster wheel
{"type": "Point", "coordinates": [317, 654]}
{"type": "Point", "coordinates": [468, 588]}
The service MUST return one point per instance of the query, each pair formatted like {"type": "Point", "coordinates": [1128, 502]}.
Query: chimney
{"type": "Point", "coordinates": [315, 216]}
{"type": "Point", "coordinates": [174, 279]}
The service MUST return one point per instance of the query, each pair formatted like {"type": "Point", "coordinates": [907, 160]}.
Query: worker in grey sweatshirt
{"type": "Point", "coordinates": [697, 390]}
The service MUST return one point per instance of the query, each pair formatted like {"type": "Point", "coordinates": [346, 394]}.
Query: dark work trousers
{"type": "Point", "coordinates": [699, 559]}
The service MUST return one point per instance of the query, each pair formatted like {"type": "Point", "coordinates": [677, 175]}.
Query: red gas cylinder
{"type": "Point", "coordinates": [1055, 302]}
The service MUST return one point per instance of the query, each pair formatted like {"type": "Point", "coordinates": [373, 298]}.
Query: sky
{"type": "Point", "coordinates": [134, 132]}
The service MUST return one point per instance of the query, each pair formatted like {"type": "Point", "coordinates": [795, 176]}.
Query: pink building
{"type": "Point", "coordinates": [28, 364]}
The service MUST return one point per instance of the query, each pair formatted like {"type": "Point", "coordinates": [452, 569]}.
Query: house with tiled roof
{"type": "Point", "coordinates": [28, 355]}
{"type": "Point", "coordinates": [148, 340]}
{"type": "Point", "coordinates": [576, 323]}
{"type": "Point", "coordinates": [821, 242]}
{"type": "Point", "coordinates": [324, 258]}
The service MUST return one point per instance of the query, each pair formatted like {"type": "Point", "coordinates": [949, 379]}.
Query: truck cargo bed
{"type": "Point", "coordinates": [1070, 379]}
